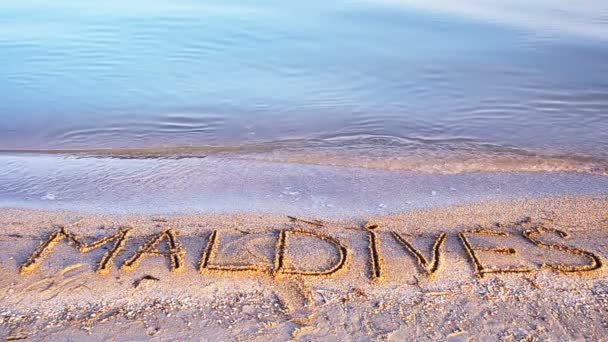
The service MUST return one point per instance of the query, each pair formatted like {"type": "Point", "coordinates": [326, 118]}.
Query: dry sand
{"type": "Point", "coordinates": [266, 276]}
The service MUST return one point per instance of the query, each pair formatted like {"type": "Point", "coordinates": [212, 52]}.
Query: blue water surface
{"type": "Point", "coordinates": [144, 74]}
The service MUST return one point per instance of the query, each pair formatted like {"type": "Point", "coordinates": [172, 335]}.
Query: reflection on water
{"type": "Point", "coordinates": [510, 74]}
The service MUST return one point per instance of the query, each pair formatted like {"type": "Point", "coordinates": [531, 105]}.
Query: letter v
{"type": "Point", "coordinates": [428, 267]}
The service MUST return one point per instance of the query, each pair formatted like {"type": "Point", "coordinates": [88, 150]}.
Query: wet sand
{"type": "Point", "coordinates": [502, 269]}
{"type": "Point", "coordinates": [230, 184]}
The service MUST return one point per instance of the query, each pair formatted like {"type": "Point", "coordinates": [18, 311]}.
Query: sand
{"type": "Point", "coordinates": [509, 270]}
{"type": "Point", "coordinates": [229, 185]}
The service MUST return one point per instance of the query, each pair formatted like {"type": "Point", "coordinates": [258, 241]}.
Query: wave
{"type": "Point", "coordinates": [439, 155]}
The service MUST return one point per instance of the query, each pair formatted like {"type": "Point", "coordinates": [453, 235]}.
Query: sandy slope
{"type": "Point", "coordinates": [243, 293]}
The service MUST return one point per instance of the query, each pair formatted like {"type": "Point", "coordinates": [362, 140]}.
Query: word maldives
{"type": "Point", "coordinates": [166, 244]}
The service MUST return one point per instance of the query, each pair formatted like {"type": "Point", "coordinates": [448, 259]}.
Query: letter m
{"type": "Point", "coordinates": [46, 247]}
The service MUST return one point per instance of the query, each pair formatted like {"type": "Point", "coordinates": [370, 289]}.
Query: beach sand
{"type": "Point", "coordinates": [509, 270]}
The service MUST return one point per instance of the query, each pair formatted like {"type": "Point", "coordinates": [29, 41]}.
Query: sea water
{"type": "Point", "coordinates": [438, 85]}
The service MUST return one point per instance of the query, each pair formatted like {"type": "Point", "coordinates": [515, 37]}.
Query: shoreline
{"type": "Point", "coordinates": [374, 153]}
{"type": "Point", "coordinates": [228, 185]}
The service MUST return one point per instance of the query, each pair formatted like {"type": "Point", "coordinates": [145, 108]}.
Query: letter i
{"type": "Point", "coordinates": [375, 259]}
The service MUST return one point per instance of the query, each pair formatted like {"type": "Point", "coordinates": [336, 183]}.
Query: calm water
{"type": "Point", "coordinates": [400, 78]}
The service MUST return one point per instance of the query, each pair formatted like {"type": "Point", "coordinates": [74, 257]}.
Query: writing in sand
{"type": "Point", "coordinates": [291, 246]}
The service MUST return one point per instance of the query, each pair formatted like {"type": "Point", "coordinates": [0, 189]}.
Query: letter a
{"type": "Point", "coordinates": [176, 252]}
